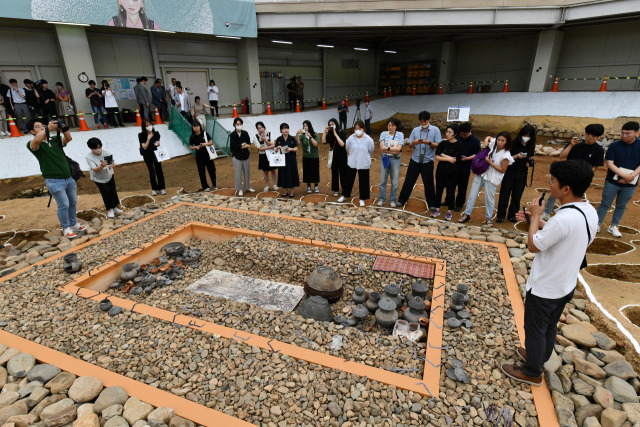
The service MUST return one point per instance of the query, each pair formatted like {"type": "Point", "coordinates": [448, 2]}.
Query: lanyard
{"type": "Point", "coordinates": [423, 151]}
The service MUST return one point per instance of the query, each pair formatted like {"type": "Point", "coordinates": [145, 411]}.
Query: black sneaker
{"type": "Point", "coordinates": [458, 208]}
{"type": "Point", "coordinates": [499, 220]}
{"type": "Point", "coordinates": [513, 219]}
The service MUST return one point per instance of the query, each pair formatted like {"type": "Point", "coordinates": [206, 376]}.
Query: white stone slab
{"type": "Point", "coordinates": [263, 293]}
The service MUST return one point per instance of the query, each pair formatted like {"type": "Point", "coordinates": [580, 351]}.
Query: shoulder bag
{"type": "Point", "coordinates": [584, 261]}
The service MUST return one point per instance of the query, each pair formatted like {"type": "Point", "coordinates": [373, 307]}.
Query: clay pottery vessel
{"type": "Point", "coordinates": [71, 263]}
{"type": "Point", "coordinates": [386, 314]}
{"type": "Point", "coordinates": [392, 291]}
{"type": "Point", "coordinates": [156, 261]}
{"type": "Point", "coordinates": [427, 305]}
{"type": "Point", "coordinates": [325, 282]}
{"type": "Point", "coordinates": [316, 308]}
{"type": "Point", "coordinates": [173, 249]}
{"type": "Point", "coordinates": [359, 296]}
{"type": "Point", "coordinates": [424, 322]}
{"type": "Point", "coordinates": [129, 271]}
{"type": "Point", "coordinates": [143, 267]}
{"type": "Point", "coordinates": [372, 302]}
{"type": "Point", "coordinates": [457, 299]}
{"type": "Point", "coordinates": [418, 289]}
{"type": "Point", "coordinates": [105, 305]}
{"type": "Point", "coordinates": [179, 262]}
{"type": "Point", "coordinates": [360, 313]}
{"type": "Point", "coordinates": [416, 310]}
{"type": "Point", "coordinates": [154, 271]}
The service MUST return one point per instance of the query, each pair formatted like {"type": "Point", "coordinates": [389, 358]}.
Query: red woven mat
{"type": "Point", "coordinates": [403, 266]}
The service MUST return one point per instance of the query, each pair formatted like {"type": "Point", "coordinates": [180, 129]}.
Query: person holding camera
{"type": "Point", "coordinates": [515, 179]}
{"type": "Point", "coordinates": [448, 155]}
{"type": "Point", "coordinates": [56, 171]}
{"type": "Point", "coordinates": [101, 166]}
{"type": "Point", "coordinates": [309, 139]}
{"type": "Point", "coordinates": [33, 99]}
{"type": "Point", "coordinates": [391, 142]}
{"type": "Point", "coordinates": [336, 137]}
{"type": "Point", "coordinates": [288, 177]}
{"type": "Point", "coordinates": [149, 140]}
{"type": "Point", "coordinates": [47, 101]}
{"type": "Point", "coordinates": [360, 146]}
{"type": "Point", "coordinates": [96, 99]}
{"type": "Point", "coordinates": [239, 144]}
{"type": "Point", "coordinates": [213, 98]}
{"type": "Point", "coordinates": [560, 245]}
{"type": "Point", "coordinates": [342, 114]}
{"type": "Point", "coordinates": [586, 149]}
{"type": "Point", "coordinates": [111, 105]}
{"type": "Point", "coordinates": [262, 140]}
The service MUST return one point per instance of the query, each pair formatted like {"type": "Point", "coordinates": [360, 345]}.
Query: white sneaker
{"type": "Point", "coordinates": [276, 188]}
{"type": "Point", "coordinates": [341, 199]}
{"type": "Point", "coordinates": [251, 190]}
{"type": "Point", "coordinates": [362, 203]}
{"type": "Point", "coordinates": [215, 188]}
{"type": "Point", "coordinates": [336, 194]}
{"type": "Point", "coordinates": [117, 211]}
{"type": "Point", "coordinates": [4, 134]}
{"type": "Point", "coordinates": [154, 193]}
{"type": "Point", "coordinates": [266, 189]}
{"type": "Point", "coordinates": [613, 229]}
{"type": "Point", "coordinates": [77, 227]}
{"type": "Point", "coordinates": [545, 217]}
{"type": "Point", "coordinates": [392, 204]}
{"type": "Point", "coordinates": [207, 189]}
{"type": "Point", "coordinates": [69, 233]}
{"type": "Point", "coordinates": [110, 213]}
{"type": "Point", "coordinates": [240, 193]}
{"type": "Point", "coordinates": [163, 192]}
{"type": "Point", "coordinates": [599, 227]}
{"type": "Point", "coordinates": [381, 203]}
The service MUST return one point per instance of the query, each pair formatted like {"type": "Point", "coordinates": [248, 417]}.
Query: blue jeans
{"type": "Point", "coordinates": [98, 109]}
{"type": "Point", "coordinates": [66, 197]}
{"type": "Point", "coordinates": [489, 196]}
{"type": "Point", "coordinates": [621, 194]}
{"type": "Point", "coordinates": [394, 171]}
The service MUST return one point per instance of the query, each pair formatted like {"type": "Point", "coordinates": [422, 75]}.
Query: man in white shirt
{"type": "Point", "coordinates": [182, 102]}
{"type": "Point", "coordinates": [213, 97]}
{"type": "Point", "coordinates": [560, 247]}
{"type": "Point", "coordinates": [171, 90]}
{"type": "Point", "coordinates": [18, 102]}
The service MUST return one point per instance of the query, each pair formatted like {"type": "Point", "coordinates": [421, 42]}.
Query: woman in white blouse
{"type": "Point", "coordinates": [111, 105]}
{"type": "Point", "coordinates": [359, 146]}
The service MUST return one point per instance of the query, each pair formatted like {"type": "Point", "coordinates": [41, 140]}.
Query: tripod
{"type": "Point", "coordinates": [357, 115]}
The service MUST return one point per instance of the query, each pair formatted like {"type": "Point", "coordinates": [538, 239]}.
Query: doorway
{"type": "Point", "coordinates": [195, 83]}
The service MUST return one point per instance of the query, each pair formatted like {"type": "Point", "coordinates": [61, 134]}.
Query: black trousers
{"type": "Point", "coordinates": [214, 107]}
{"type": "Point", "coordinates": [363, 183]}
{"type": "Point", "coordinates": [205, 162]}
{"type": "Point", "coordinates": [541, 318]}
{"type": "Point", "coordinates": [109, 193]}
{"type": "Point", "coordinates": [446, 178]}
{"type": "Point", "coordinates": [114, 116]}
{"type": "Point", "coordinates": [155, 171]}
{"type": "Point", "coordinates": [187, 116]}
{"type": "Point", "coordinates": [339, 177]}
{"type": "Point", "coordinates": [343, 124]}
{"type": "Point", "coordinates": [416, 169]}
{"type": "Point", "coordinates": [292, 102]}
{"type": "Point", "coordinates": [512, 187]}
{"type": "Point", "coordinates": [462, 183]}
{"type": "Point", "coordinates": [367, 126]}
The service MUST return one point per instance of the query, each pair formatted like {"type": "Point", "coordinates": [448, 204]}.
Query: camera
{"type": "Point", "coordinates": [358, 101]}
{"type": "Point", "coordinates": [62, 126]}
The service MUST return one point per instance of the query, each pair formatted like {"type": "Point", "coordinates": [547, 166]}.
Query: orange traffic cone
{"type": "Point", "coordinates": [555, 85]}
{"type": "Point", "coordinates": [440, 92]}
{"type": "Point", "coordinates": [138, 118]}
{"type": "Point", "coordinates": [390, 91]}
{"type": "Point", "coordinates": [83, 122]}
{"type": "Point", "coordinates": [269, 113]}
{"type": "Point", "coordinates": [158, 119]}
{"type": "Point", "coordinates": [505, 89]}
{"type": "Point", "coordinates": [384, 92]}
{"type": "Point", "coordinates": [13, 128]}
{"type": "Point", "coordinates": [366, 96]}
{"type": "Point", "coordinates": [324, 104]}
{"type": "Point", "coordinates": [603, 86]}
{"type": "Point", "coordinates": [346, 100]}
{"type": "Point", "coordinates": [413, 91]}
{"type": "Point", "coordinates": [235, 111]}
{"type": "Point", "coordinates": [470, 87]}
{"type": "Point", "coordinates": [298, 106]}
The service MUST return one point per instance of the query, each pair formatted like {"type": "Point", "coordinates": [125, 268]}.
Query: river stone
{"type": "Point", "coordinates": [554, 382]}
{"type": "Point", "coordinates": [23, 420]}
{"type": "Point", "coordinates": [621, 369]}
{"type": "Point", "coordinates": [554, 363]}
{"type": "Point", "coordinates": [26, 390]}
{"type": "Point", "coordinates": [8, 398]}
{"type": "Point", "coordinates": [579, 401]}
{"type": "Point", "coordinates": [177, 421]}
{"type": "Point", "coordinates": [581, 387]}
{"type": "Point", "coordinates": [85, 389]}
{"type": "Point", "coordinates": [607, 356]}
{"type": "Point", "coordinates": [566, 418]}
{"type": "Point", "coordinates": [110, 396]}
{"type": "Point", "coordinates": [116, 422]}
{"type": "Point", "coordinates": [335, 409]}
{"type": "Point", "coordinates": [562, 401]}
{"type": "Point", "coordinates": [20, 365]}
{"type": "Point", "coordinates": [160, 417]}
{"type": "Point", "coordinates": [7, 355]}
{"type": "Point", "coordinates": [61, 418]}
{"type": "Point", "coordinates": [36, 396]}
{"type": "Point", "coordinates": [3, 377]}
{"type": "Point", "coordinates": [588, 368]}
{"type": "Point", "coordinates": [604, 341]}
{"type": "Point", "coordinates": [584, 412]}
{"type": "Point", "coordinates": [591, 422]}
{"type": "Point", "coordinates": [55, 408]}
{"type": "Point", "coordinates": [622, 391]}
{"type": "Point", "coordinates": [579, 334]}
{"type": "Point", "coordinates": [47, 401]}
{"type": "Point", "coordinates": [84, 410]}
{"type": "Point", "coordinates": [61, 382]}
{"type": "Point", "coordinates": [603, 397]}
{"type": "Point", "coordinates": [18, 408]}
{"type": "Point", "coordinates": [112, 411]}
{"type": "Point", "coordinates": [143, 423]}
{"type": "Point", "coordinates": [135, 410]}
{"type": "Point", "coordinates": [43, 373]}
{"type": "Point", "coordinates": [90, 420]}
{"type": "Point", "coordinates": [633, 412]}
{"type": "Point", "coordinates": [612, 418]}
{"type": "Point", "coordinates": [592, 382]}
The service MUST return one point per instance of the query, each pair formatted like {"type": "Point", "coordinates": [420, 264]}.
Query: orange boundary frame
{"type": "Point", "coordinates": [542, 396]}
{"type": "Point", "coordinates": [107, 273]}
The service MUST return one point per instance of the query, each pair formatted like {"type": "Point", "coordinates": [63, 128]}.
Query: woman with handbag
{"type": "Point", "coordinates": [200, 142]}
{"type": "Point", "coordinates": [288, 177]}
{"type": "Point", "coordinates": [360, 146]}
{"type": "Point", "coordinates": [336, 137]}
{"type": "Point", "coordinates": [391, 142]}
{"type": "Point", "coordinates": [496, 163]}
{"type": "Point", "coordinates": [309, 139]}
{"type": "Point", "coordinates": [63, 105]}
{"type": "Point", "coordinates": [149, 140]}
{"type": "Point", "coordinates": [262, 140]}
{"type": "Point", "coordinates": [239, 143]}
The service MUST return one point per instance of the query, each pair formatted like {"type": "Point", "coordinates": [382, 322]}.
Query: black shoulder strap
{"type": "Point", "coordinates": [585, 217]}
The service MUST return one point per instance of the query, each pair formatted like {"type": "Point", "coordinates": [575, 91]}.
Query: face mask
{"type": "Point", "coordinates": [333, 126]}
{"type": "Point", "coordinates": [359, 132]}
{"type": "Point", "coordinates": [425, 126]}
{"type": "Point", "coordinates": [526, 138]}
{"type": "Point", "coordinates": [97, 151]}
{"type": "Point", "coordinates": [149, 128]}
{"type": "Point", "coordinates": [239, 128]}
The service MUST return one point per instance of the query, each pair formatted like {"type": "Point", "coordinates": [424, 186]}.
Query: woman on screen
{"type": "Point", "coordinates": [131, 14]}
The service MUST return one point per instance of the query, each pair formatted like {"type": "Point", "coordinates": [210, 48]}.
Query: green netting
{"type": "Point", "coordinates": [180, 126]}
{"type": "Point", "coordinates": [219, 134]}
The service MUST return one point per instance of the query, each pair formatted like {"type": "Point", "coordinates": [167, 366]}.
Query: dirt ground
{"type": "Point", "coordinates": [181, 175]}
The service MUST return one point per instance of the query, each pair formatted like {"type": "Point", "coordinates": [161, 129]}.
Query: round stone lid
{"type": "Point", "coordinates": [392, 289]}
{"type": "Point", "coordinates": [360, 311]}
{"type": "Point", "coordinates": [386, 304]}
{"type": "Point", "coordinates": [417, 304]}
{"type": "Point", "coordinates": [419, 287]}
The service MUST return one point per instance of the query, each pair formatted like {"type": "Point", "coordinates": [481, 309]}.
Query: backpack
{"type": "Point", "coordinates": [478, 164]}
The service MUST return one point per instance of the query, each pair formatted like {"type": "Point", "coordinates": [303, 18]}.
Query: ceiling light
{"type": "Point", "coordinates": [159, 31]}
{"type": "Point", "coordinates": [229, 37]}
{"type": "Point", "coordinates": [281, 42]}
{"type": "Point", "coordinates": [325, 45]}
{"type": "Point", "coordinates": [360, 48]}
{"type": "Point", "coordinates": [390, 51]}
{"type": "Point", "coordinates": [69, 23]}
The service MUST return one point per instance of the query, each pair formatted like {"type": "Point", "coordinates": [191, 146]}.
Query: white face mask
{"type": "Point", "coordinates": [333, 126]}
{"type": "Point", "coordinates": [425, 126]}
{"type": "Point", "coordinates": [359, 132]}
{"type": "Point", "coordinates": [526, 139]}
{"type": "Point", "coordinates": [239, 128]}
{"type": "Point", "coordinates": [149, 128]}
{"type": "Point", "coordinates": [97, 151]}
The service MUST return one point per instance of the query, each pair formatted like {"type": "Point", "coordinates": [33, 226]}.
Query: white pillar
{"type": "Point", "coordinates": [544, 66]}
{"type": "Point", "coordinates": [249, 74]}
{"type": "Point", "coordinates": [76, 56]}
{"type": "Point", "coordinates": [445, 68]}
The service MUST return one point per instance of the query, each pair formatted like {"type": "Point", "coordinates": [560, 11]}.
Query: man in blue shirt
{"type": "Point", "coordinates": [158, 98]}
{"type": "Point", "coordinates": [623, 161]}
{"type": "Point", "coordinates": [423, 140]}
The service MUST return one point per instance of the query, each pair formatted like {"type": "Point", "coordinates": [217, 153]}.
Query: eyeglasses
{"type": "Point", "coordinates": [550, 181]}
